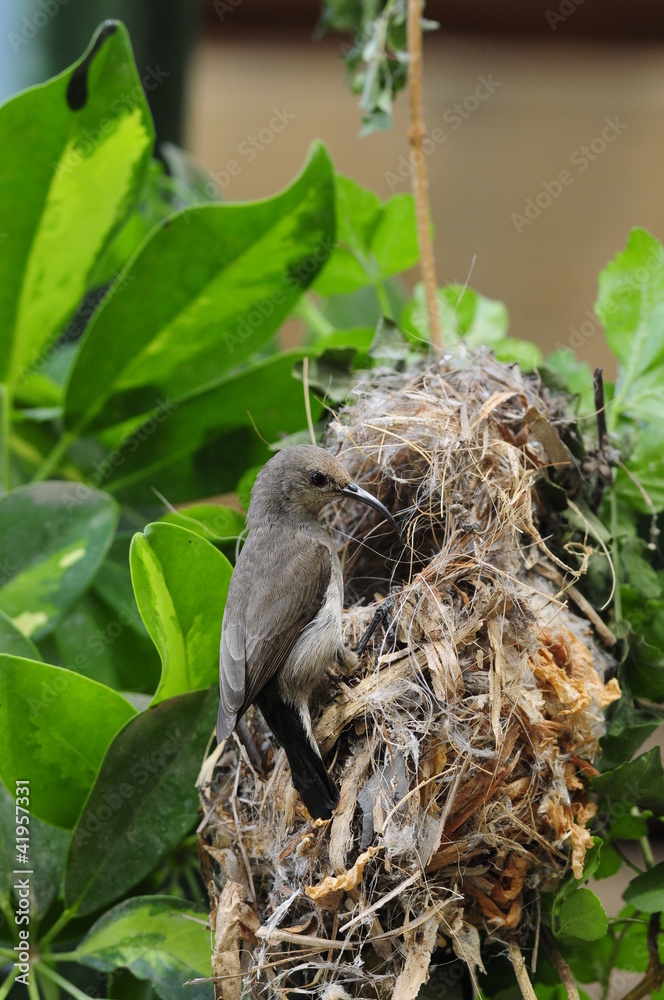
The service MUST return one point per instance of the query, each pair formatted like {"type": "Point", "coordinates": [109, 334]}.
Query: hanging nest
{"type": "Point", "coordinates": [460, 743]}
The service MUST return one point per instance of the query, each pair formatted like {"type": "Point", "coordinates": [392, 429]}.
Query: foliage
{"type": "Point", "coordinates": [377, 58]}
{"type": "Point", "coordinates": [108, 642]}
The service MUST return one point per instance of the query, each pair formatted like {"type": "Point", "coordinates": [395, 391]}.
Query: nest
{"type": "Point", "coordinates": [460, 743]}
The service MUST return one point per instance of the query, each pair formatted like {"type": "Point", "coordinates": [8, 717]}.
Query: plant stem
{"type": "Point", "coordinates": [8, 983]}
{"type": "Point", "coordinates": [62, 956]}
{"type": "Point", "coordinates": [416, 135]}
{"type": "Point", "coordinates": [617, 599]}
{"type": "Point", "coordinates": [55, 977]}
{"type": "Point", "coordinates": [629, 863]}
{"type": "Point", "coordinates": [52, 460]}
{"type": "Point", "coordinates": [519, 966]}
{"type": "Point", "coordinates": [646, 851]}
{"type": "Point", "coordinates": [563, 970]}
{"type": "Point", "coordinates": [65, 917]}
{"type": "Point", "coordinates": [383, 300]}
{"type": "Point", "coordinates": [309, 311]}
{"type": "Point", "coordinates": [5, 430]}
{"type": "Point", "coordinates": [33, 989]}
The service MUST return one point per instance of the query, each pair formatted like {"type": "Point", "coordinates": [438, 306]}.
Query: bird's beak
{"type": "Point", "coordinates": [355, 492]}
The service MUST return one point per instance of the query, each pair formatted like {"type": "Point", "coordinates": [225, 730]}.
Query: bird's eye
{"type": "Point", "coordinates": [317, 479]}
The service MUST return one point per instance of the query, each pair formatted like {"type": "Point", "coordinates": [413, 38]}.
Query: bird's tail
{"type": "Point", "coordinates": [317, 789]}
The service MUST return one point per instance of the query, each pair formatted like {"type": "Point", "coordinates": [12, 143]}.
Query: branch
{"type": "Point", "coordinates": [563, 970]}
{"type": "Point", "coordinates": [519, 966]}
{"type": "Point", "coordinates": [416, 134]}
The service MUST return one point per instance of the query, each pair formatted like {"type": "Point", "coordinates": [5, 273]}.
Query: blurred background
{"type": "Point", "coordinates": [546, 122]}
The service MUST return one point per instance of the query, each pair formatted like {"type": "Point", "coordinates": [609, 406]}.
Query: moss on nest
{"type": "Point", "coordinates": [460, 744]}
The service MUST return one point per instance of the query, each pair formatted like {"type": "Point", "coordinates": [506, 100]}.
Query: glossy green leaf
{"type": "Point", "coordinates": [104, 644]}
{"type": "Point", "coordinates": [181, 582]}
{"type": "Point", "coordinates": [74, 156]}
{"type": "Point", "coordinates": [646, 891]}
{"type": "Point", "coordinates": [159, 938]}
{"type": "Point", "coordinates": [143, 802]}
{"type": "Point", "coordinates": [207, 290]}
{"type": "Point", "coordinates": [209, 520]}
{"type": "Point", "coordinates": [264, 395]}
{"type": "Point", "coordinates": [9, 859]}
{"type": "Point", "coordinates": [46, 853]}
{"type": "Point", "coordinates": [638, 782]}
{"type": "Point", "coordinates": [375, 239]}
{"type": "Point", "coordinates": [630, 306]}
{"type": "Point", "coordinates": [581, 915]}
{"type": "Point", "coordinates": [13, 641]}
{"type": "Point", "coordinates": [61, 725]}
{"type": "Point", "coordinates": [53, 536]}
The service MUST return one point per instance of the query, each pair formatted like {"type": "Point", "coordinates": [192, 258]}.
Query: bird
{"type": "Point", "coordinates": [282, 625]}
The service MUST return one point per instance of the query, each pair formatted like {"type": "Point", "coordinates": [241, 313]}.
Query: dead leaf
{"type": "Point", "coordinates": [347, 880]}
{"type": "Point", "coordinates": [419, 944]}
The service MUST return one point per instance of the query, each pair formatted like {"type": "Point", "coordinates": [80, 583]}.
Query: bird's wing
{"type": "Point", "coordinates": [262, 622]}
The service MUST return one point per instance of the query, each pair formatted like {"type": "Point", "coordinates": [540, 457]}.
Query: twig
{"type": "Point", "coordinates": [519, 966]}
{"type": "Point", "coordinates": [600, 407]}
{"type": "Point", "coordinates": [602, 629]}
{"type": "Point", "coordinates": [563, 970]}
{"type": "Point", "coordinates": [416, 135]}
{"type": "Point", "coordinates": [307, 401]}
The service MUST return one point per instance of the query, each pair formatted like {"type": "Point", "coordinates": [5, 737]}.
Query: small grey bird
{"type": "Point", "coordinates": [281, 630]}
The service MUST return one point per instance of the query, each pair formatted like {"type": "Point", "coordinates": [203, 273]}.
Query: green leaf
{"type": "Point", "coordinates": [630, 725]}
{"type": "Point", "coordinates": [205, 292]}
{"type": "Point", "coordinates": [637, 566]}
{"type": "Point", "coordinates": [465, 315]}
{"type": "Point", "coordinates": [631, 827]}
{"type": "Point", "coordinates": [638, 782]}
{"type": "Point", "coordinates": [630, 306]}
{"type": "Point", "coordinates": [143, 802]}
{"type": "Point", "coordinates": [181, 582]}
{"type": "Point", "coordinates": [62, 724]}
{"type": "Point", "coordinates": [610, 862]}
{"type": "Point", "coordinates": [98, 642]}
{"type": "Point", "coordinates": [646, 891]}
{"type": "Point", "coordinates": [159, 938]}
{"type": "Point", "coordinates": [74, 156]}
{"type": "Point", "coordinates": [374, 239]}
{"type": "Point", "coordinates": [564, 371]}
{"type": "Point", "coordinates": [509, 350]}
{"type": "Point", "coordinates": [13, 641]}
{"type": "Point", "coordinates": [646, 464]}
{"type": "Point", "coordinates": [632, 951]}
{"type": "Point", "coordinates": [264, 395]}
{"type": "Point", "coordinates": [53, 536]}
{"type": "Point", "coordinates": [209, 520]}
{"type": "Point", "coordinates": [47, 851]}
{"type": "Point", "coordinates": [581, 915]}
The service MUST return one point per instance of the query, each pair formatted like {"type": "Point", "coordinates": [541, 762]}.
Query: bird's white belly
{"type": "Point", "coordinates": [315, 651]}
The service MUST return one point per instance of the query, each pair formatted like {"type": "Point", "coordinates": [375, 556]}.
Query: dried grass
{"type": "Point", "coordinates": [460, 744]}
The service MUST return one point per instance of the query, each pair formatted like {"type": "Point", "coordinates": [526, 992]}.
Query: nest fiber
{"type": "Point", "coordinates": [460, 742]}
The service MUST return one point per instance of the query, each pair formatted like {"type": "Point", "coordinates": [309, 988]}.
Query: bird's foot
{"type": "Point", "coordinates": [380, 617]}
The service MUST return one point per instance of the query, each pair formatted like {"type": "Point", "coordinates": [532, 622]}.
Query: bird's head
{"type": "Point", "coordinates": [299, 481]}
